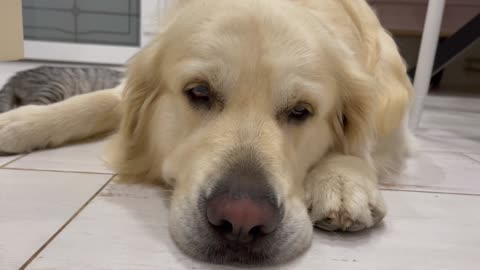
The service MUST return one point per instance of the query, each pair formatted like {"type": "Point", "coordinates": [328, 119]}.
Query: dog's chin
{"type": "Point", "coordinates": [238, 257]}
{"type": "Point", "coordinates": [221, 253]}
{"type": "Point", "coordinates": [192, 234]}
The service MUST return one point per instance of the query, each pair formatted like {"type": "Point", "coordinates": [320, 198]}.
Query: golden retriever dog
{"type": "Point", "coordinates": [265, 117]}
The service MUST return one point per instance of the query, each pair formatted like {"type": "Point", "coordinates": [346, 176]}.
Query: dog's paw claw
{"type": "Point", "coordinates": [340, 221]}
{"type": "Point", "coordinates": [347, 206]}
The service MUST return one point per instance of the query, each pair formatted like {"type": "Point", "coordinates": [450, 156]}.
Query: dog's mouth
{"type": "Point", "coordinates": [235, 255]}
{"type": "Point", "coordinates": [236, 228]}
{"type": "Point", "coordinates": [210, 246]}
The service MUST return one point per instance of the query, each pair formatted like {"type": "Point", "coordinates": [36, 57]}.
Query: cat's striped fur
{"type": "Point", "coordinates": [49, 84]}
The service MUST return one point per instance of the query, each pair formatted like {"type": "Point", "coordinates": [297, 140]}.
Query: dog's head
{"type": "Point", "coordinates": [231, 105]}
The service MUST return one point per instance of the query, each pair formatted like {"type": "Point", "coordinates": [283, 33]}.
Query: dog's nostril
{"type": "Point", "coordinates": [257, 231]}
{"type": "Point", "coordinates": [224, 227]}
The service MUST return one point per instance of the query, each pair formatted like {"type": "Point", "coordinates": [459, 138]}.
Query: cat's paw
{"type": "Point", "coordinates": [343, 202]}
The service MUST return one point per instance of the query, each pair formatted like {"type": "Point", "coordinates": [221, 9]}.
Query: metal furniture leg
{"type": "Point", "coordinates": [426, 57]}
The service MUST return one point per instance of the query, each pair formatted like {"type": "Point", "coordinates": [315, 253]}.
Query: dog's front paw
{"type": "Point", "coordinates": [18, 132]}
{"type": "Point", "coordinates": [344, 202]}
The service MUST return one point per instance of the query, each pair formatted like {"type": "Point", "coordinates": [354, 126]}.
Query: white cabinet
{"type": "Point", "coordinates": [90, 31]}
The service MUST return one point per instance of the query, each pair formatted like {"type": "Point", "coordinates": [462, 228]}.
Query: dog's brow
{"type": "Point", "coordinates": [198, 69]}
{"type": "Point", "coordinates": [297, 89]}
{"type": "Point", "coordinates": [210, 71]}
{"type": "Point", "coordinates": [192, 67]}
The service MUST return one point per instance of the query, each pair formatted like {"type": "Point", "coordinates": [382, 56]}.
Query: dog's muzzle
{"type": "Point", "coordinates": [242, 212]}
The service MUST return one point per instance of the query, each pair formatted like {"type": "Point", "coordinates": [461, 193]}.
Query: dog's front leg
{"type": "Point", "coordinates": [39, 126]}
{"type": "Point", "coordinates": [342, 194]}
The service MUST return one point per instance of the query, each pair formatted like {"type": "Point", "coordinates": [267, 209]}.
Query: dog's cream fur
{"type": "Point", "coordinates": [262, 56]}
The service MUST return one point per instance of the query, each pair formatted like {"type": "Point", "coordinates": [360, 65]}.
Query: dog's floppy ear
{"type": "Point", "coordinates": [127, 152]}
{"type": "Point", "coordinates": [374, 97]}
{"type": "Point", "coordinates": [354, 120]}
{"type": "Point", "coordinates": [144, 83]}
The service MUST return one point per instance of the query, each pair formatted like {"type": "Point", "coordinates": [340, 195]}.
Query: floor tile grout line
{"type": "Point", "coordinates": [11, 161]}
{"type": "Point", "coordinates": [429, 191]}
{"type": "Point", "coordinates": [445, 152]}
{"type": "Point", "coordinates": [34, 256]}
{"type": "Point", "coordinates": [56, 171]}
{"type": "Point", "coordinates": [469, 157]}
{"type": "Point", "coordinates": [429, 138]}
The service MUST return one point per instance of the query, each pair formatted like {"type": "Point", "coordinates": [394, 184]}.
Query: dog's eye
{"type": "Point", "coordinates": [300, 112]}
{"type": "Point", "coordinates": [199, 94]}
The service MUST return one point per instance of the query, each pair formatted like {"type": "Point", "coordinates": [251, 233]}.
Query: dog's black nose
{"type": "Point", "coordinates": [243, 206]}
{"type": "Point", "coordinates": [241, 220]}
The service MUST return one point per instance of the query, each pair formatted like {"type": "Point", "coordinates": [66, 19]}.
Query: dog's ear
{"type": "Point", "coordinates": [354, 120]}
{"type": "Point", "coordinates": [144, 83]}
{"type": "Point", "coordinates": [127, 151]}
{"type": "Point", "coordinates": [374, 97]}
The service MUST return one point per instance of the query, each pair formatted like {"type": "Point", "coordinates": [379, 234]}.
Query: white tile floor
{"type": "Point", "coordinates": [58, 209]}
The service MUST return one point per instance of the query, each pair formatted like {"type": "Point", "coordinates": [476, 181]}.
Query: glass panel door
{"type": "Point", "coordinates": [92, 31]}
{"type": "Point", "coordinates": [107, 22]}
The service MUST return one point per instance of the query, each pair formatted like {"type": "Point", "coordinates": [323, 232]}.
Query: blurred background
{"type": "Point", "coordinates": [110, 31]}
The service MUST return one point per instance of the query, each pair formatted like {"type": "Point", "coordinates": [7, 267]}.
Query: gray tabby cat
{"type": "Point", "coordinates": [47, 84]}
